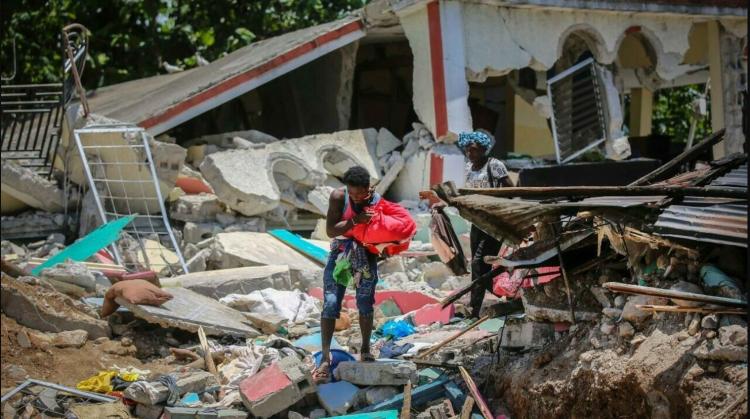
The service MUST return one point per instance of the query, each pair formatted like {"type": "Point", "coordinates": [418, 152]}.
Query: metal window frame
{"type": "Point", "coordinates": [124, 129]}
{"type": "Point", "coordinates": [558, 77]}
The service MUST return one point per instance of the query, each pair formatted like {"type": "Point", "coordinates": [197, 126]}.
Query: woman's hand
{"type": "Point", "coordinates": [364, 217]}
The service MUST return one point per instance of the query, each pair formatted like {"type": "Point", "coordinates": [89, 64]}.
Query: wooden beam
{"type": "Point", "coordinates": [679, 309]}
{"type": "Point", "coordinates": [592, 191]}
{"type": "Point", "coordinates": [452, 338]}
{"type": "Point", "coordinates": [672, 166]}
{"type": "Point", "coordinates": [679, 295]}
{"type": "Point", "coordinates": [475, 394]}
{"type": "Point", "coordinates": [467, 407]}
{"type": "Point", "coordinates": [406, 408]}
{"type": "Point", "coordinates": [209, 360]}
{"type": "Point", "coordinates": [716, 81]}
{"type": "Point", "coordinates": [465, 290]}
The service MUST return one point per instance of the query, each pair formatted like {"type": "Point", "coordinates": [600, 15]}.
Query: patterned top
{"type": "Point", "coordinates": [479, 178]}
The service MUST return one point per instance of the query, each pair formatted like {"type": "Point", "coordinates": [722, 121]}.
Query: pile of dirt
{"type": "Point", "coordinates": [588, 374]}
{"type": "Point", "coordinates": [66, 366]}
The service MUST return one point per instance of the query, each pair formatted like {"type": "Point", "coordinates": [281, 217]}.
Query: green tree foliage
{"type": "Point", "coordinates": [131, 39]}
{"type": "Point", "coordinates": [673, 113]}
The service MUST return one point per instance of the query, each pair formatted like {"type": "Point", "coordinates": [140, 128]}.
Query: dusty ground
{"type": "Point", "coordinates": [65, 366]}
{"type": "Point", "coordinates": [590, 375]}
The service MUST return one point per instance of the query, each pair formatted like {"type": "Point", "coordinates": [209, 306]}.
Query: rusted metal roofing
{"type": "Point", "coordinates": [709, 220]}
{"type": "Point", "coordinates": [161, 102]}
{"type": "Point", "coordinates": [513, 219]}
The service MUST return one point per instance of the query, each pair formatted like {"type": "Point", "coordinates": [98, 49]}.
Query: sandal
{"type": "Point", "coordinates": [322, 374]}
{"type": "Point", "coordinates": [366, 357]}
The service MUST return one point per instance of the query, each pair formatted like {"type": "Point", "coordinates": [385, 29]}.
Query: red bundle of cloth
{"type": "Point", "coordinates": [389, 231]}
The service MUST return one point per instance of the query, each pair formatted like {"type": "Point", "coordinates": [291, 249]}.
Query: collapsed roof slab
{"type": "Point", "coordinates": [165, 101]}
{"type": "Point", "coordinates": [244, 179]}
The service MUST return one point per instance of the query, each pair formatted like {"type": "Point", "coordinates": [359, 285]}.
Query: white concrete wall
{"type": "Point", "coordinates": [417, 32]}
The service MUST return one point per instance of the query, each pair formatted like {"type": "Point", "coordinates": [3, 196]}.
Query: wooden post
{"type": "Point", "coordinates": [466, 409]}
{"type": "Point", "coordinates": [716, 80]}
{"type": "Point", "coordinates": [475, 393]}
{"type": "Point", "coordinates": [210, 366]}
{"type": "Point", "coordinates": [454, 337]}
{"type": "Point", "coordinates": [406, 408]}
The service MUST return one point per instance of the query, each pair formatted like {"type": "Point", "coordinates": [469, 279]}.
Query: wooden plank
{"type": "Point", "coordinates": [467, 407]}
{"type": "Point", "coordinates": [297, 243]}
{"type": "Point", "coordinates": [673, 165]}
{"type": "Point", "coordinates": [478, 399]}
{"type": "Point", "coordinates": [406, 408]}
{"type": "Point", "coordinates": [678, 309]}
{"type": "Point", "coordinates": [208, 359]}
{"type": "Point", "coordinates": [465, 290]}
{"type": "Point", "coordinates": [454, 337]}
{"type": "Point", "coordinates": [596, 191]}
{"type": "Point", "coordinates": [687, 296]}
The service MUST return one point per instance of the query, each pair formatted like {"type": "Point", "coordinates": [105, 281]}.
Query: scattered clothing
{"type": "Point", "coordinates": [393, 350]}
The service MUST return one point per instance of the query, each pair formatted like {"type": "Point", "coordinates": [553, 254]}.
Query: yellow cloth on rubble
{"type": "Point", "coordinates": [102, 382]}
{"type": "Point", "coordinates": [99, 383]}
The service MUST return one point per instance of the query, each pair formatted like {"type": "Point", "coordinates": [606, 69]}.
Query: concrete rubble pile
{"type": "Point", "coordinates": [255, 296]}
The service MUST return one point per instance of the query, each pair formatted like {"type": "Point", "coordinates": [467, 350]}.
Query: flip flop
{"type": "Point", "coordinates": [322, 374]}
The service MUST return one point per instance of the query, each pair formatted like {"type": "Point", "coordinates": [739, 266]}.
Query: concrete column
{"type": "Point", "coordinates": [454, 68]}
{"type": "Point", "coordinates": [641, 110]}
{"type": "Point", "coordinates": [717, 83]}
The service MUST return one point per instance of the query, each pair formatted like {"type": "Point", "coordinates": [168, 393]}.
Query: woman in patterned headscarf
{"type": "Point", "coordinates": [481, 171]}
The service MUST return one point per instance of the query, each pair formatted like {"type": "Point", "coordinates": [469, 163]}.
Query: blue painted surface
{"type": "Point", "coordinates": [337, 397]}
{"type": "Point", "coordinates": [386, 414]}
{"type": "Point", "coordinates": [312, 343]}
{"type": "Point", "coordinates": [420, 396]}
{"type": "Point", "coordinates": [299, 244]}
{"type": "Point", "coordinates": [84, 248]}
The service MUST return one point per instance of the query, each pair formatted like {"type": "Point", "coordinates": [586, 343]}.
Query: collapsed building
{"type": "Point", "coordinates": [214, 166]}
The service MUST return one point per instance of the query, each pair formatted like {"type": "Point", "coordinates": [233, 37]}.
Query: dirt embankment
{"type": "Point", "coordinates": [588, 374]}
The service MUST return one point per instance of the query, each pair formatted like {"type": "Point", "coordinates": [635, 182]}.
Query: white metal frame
{"type": "Point", "coordinates": [106, 215]}
{"type": "Point", "coordinates": [550, 82]}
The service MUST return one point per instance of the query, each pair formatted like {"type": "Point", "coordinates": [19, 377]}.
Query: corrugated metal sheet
{"type": "Point", "coordinates": [709, 220]}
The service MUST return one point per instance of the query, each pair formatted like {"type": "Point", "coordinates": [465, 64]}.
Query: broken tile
{"type": "Point", "coordinates": [276, 387]}
{"type": "Point", "coordinates": [220, 283]}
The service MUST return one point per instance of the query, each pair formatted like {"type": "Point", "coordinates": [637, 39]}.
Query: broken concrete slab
{"type": "Point", "coordinates": [527, 334]}
{"type": "Point", "coordinates": [196, 232]}
{"type": "Point", "coordinates": [69, 272]}
{"type": "Point", "coordinates": [197, 208]}
{"type": "Point", "coordinates": [244, 179]}
{"type": "Point", "coordinates": [202, 413]}
{"type": "Point", "coordinates": [378, 373]}
{"type": "Point", "coordinates": [253, 249]}
{"type": "Point", "coordinates": [153, 393]}
{"type": "Point", "coordinates": [48, 311]}
{"type": "Point", "coordinates": [386, 142]}
{"type": "Point", "coordinates": [276, 387]}
{"type": "Point", "coordinates": [391, 175]}
{"type": "Point", "coordinates": [546, 314]}
{"type": "Point", "coordinates": [220, 283]}
{"type": "Point", "coordinates": [25, 185]}
{"type": "Point", "coordinates": [337, 398]}
{"type": "Point", "coordinates": [189, 310]}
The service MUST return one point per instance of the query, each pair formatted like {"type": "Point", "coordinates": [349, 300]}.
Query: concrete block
{"type": "Point", "coordinates": [201, 413]}
{"type": "Point", "coordinates": [47, 311]}
{"type": "Point", "coordinates": [153, 393]}
{"type": "Point", "coordinates": [25, 185]}
{"type": "Point", "coordinates": [197, 232]}
{"type": "Point", "coordinates": [378, 373]}
{"type": "Point", "coordinates": [373, 395]}
{"type": "Point", "coordinates": [75, 273]}
{"type": "Point", "coordinates": [70, 338]}
{"type": "Point", "coordinates": [386, 142]}
{"type": "Point", "coordinates": [220, 283]}
{"type": "Point", "coordinates": [253, 249]}
{"type": "Point", "coordinates": [196, 208]}
{"type": "Point", "coordinates": [337, 398]}
{"type": "Point", "coordinates": [525, 334]}
{"type": "Point", "coordinates": [275, 388]}
{"type": "Point", "coordinates": [149, 411]}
